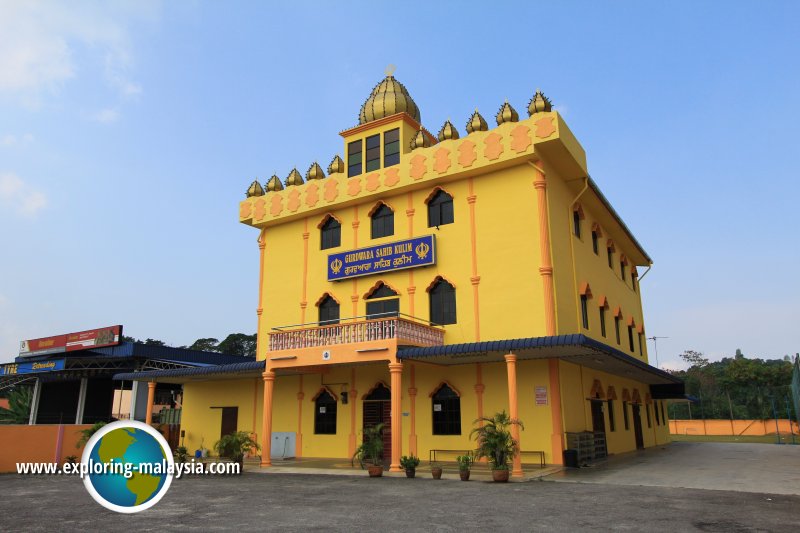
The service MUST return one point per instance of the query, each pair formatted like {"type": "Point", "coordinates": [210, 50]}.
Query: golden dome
{"type": "Point", "coordinates": [420, 140]}
{"type": "Point", "coordinates": [315, 172]}
{"type": "Point", "coordinates": [507, 114]}
{"type": "Point", "coordinates": [387, 98]}
{"type": "Point", "coordinates": [255, 189]}
{"type": "Point", "coordinates": [539, 103]}
{"type": "Point", "coordinates": [294, 178]}
{"type": "Point", "coordinates": [476, 123]}
{"type": "Point", "coordinates": [336, 166]}
{"type": "Point", "coordinates": [274, 184]}
{"type": "Point", "coordinates": [448, 132]}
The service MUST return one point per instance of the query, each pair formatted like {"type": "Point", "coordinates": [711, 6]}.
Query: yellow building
{"type": "Point", "coordinates": [426, 281]}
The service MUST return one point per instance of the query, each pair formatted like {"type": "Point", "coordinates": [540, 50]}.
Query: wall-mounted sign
{"type": "Point", "coordinates": [31, 367]}
{"type": "Point", "coordinates": [410, 253]}
{"type": "Point", "coordinates": [82, 340]}
{"type": "Point", "coordinates": [541, 395]}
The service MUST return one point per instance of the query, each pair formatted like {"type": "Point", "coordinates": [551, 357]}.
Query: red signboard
{"type": "Point", "coordinates": [82, 340]}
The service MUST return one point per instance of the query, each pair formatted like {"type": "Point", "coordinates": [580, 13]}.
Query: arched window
{"type": "Point", "coordinates": [443, 303]}
{"type": "Point", "coordinates": [382, 222]}
{"type": "Point", "coordinates": [577, 217]}
{"type": "Point", "coordinates": [446, 407]}
{"type": "Point", "coordinates": [386, 302]}
{"type": "Point", "coordinates": [324, 413]}
{"type": "Point", "coordinates": [328, 311]}
{"type": "Point", "coordinates": [440, 209]}
{"type": "Point", "coordinates": [330, 234]}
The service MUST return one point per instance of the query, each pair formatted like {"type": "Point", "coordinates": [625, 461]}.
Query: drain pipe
{"type": "Point", "coordinates": [572, 250]}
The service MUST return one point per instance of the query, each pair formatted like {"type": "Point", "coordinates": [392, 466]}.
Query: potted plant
{"type": "Point", "coordinates": [235, 445]}
{"type": "Point", "coordinates": [409, 463]}
{"type": "Point", "coordinates": [464, 464]}
{"type": "Point", "coordinates": [495, 442]}
{"type": "Point", "coordinates": [181, 453]}
{"type": "Point", "coordinates": [436, 471]}
{"type": "Point", "coordinates": [370, 450]}
{"type": "Point", "coordinates": [87, 433]}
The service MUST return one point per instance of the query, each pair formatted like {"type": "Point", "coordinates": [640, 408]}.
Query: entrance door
{"type": "Point", "coordinates": [378, 410]}
{"type": "Point", "coordinates": [230, 417]}
{"type": "Point", "coordinates": [598, 419]}
{"type": "Point", "coordinates": [637, 426]}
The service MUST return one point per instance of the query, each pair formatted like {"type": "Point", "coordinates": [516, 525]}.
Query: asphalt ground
{"type": "Point", "coordinates": [301, 502]}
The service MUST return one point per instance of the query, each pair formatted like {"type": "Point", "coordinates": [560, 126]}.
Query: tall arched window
{"type": "Point", "coordinates": [446, 407]}
{"type": "Point", "coordinates": [324, 413]}
{"type": "Point", "coordinates": [443, 303]}
{"type": "Point", "coordinates": [384, 302]}
{"type": "Point", "coordinates": [382, 222]}
{"type": "Point", "coordinates": [440, 209]}
{"type": "Point", "coordinates": [330, 234]}
{"type": "Point", "coordinates": [328, 311]}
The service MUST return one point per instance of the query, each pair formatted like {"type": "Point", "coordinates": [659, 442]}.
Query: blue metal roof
{"type": "Point", "coordinates": [147, 351]}
{"type": "Point", "coordinates": [234, 368]}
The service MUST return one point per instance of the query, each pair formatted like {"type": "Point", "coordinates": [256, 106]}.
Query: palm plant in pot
{"type": "Point", "coordinates": [235, 445]}
{"type": "Point", "coordinates": [409, 463]}
{"type": "Point", "coordinates": [495, 442]}
{"type": "Point", "coordinates": [464, 464]}
{"type": "Point", "coordinates": [370, 450]}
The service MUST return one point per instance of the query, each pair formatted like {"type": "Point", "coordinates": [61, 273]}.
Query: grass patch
{"type": "Point", "coordinates": [764, 439]}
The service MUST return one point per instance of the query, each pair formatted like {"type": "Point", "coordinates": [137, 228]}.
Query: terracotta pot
{"type": "Point", "coordinates": [375, 470]}
{"type": "Point", "coordinates": [464, 475]}
{"type": "Point", "coordinates": [411, 472]}
{"type": "Point", "coordinates": [436, 472]}
{"type": "Point", "coordinates": [501, 476]}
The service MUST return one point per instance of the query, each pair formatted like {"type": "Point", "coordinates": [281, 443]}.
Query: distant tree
{"type": "Point", "coordinates": [739, 354]}
{"type": "Point", "coordinates": [125, 338]}
{"type": "Point", "coordinates": [694, 358]}
{"type": "Point", "coordinates": [154, 342]}
{"type": "Point", "coordinates": [209, 344]}
{"type": "Point", "coordinates": [19, 406]}
{"type": "Point", "coordinates": [238, 344]}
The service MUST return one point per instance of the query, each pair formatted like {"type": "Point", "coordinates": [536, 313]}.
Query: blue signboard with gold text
{"type": "Point", "coordinates": [32, 367]}
{"type": "Point", "coordinates": [410, 253]}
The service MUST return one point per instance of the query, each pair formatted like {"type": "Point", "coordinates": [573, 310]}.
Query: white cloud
{"type": "Point", "coordinates": [13, 140]}
{"type": "Point", "coordinates": [17, 194]}
{"type": "Point", "coordinates": [105, 116]}
{"type": "Point", "coordinates": [39, 41]}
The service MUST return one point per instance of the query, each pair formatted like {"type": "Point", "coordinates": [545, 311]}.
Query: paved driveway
{"type": "Point", "coordinates": [761, 468]}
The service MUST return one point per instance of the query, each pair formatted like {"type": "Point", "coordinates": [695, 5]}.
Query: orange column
{"type": "Point", "coordinates": [475, 279]}
{"type": "Point", "coordinates": [479, 388]}
{"type": "Point", "coordinates": [353, 395]}
{"type": "Point", "coordinates": [396, 371]}
{"type": "Point", "coordinates": [303, 301]}
{"type": "Point", "coordinates": [260, 339]}
{"type": "Point", "coordinates": [511, 367]}
{"type": "Point", "coordinates": [557, 438]}
{"type": "Point", "coordinates": [546, 268]}
{"type": "Point", "coordinates": [266, 426]}
{"type": "Point", "coordinates": [412, 397]}
{"type": "Point", "coordinates": [151, 395]}
{"type": "Point", "coordinates": [298, 444]}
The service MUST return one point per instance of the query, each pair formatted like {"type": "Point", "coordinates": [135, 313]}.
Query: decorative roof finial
{"type": "Point", "coordinates": [448, 131]}
{"type": "Point", "coordinates": [420, 140]}
{"type": "Point", "coordinates": [294, 178]}
{"type": "Point", "coordinates": [388, 98]}
{"type": "Point", "coordinates": [507, 114]}
{"type": "Point", "coordinates": [274, 184]}
{"type": "Point", "coordinates": [336, 166]}
{"type": "Point", "coordinates": [539, 103]}
{"type": "Point", "coordinates": [255, 189]}
{"type": "Point", "coordinates": [390, 70]}
{"type": "Point", "coordinates": [315, 172]}
{"type": "Point", "coordinates": [476, 123]}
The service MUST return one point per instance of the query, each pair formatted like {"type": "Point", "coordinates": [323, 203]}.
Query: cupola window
{"type": "Point", "coordinates": [373, 152]}
{"type": "Point", "coordinates": [391, 147]}
{"type": "Point", "coordinates": [354, 158]}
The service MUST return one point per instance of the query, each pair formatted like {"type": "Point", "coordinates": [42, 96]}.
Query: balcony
{"type": "Point", "coordinates": [406, 330]}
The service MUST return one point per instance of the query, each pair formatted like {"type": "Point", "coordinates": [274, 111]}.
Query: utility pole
{"type": "Point", "coordinates": [655, 345]}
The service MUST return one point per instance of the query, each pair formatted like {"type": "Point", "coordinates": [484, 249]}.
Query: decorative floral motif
{"type": "Point", "coordinates": [392, 177]}
{"type": "Point", "coordinates": [294, 200]}
{"type": "Point", "coordinates": [354, 186]}
{"type": "Point", "coordinates": [467, 154]}
{"type": "Point", "coordinates": [441, 160]}
{"type": "Point", "coordinates": [545, 127]}
{"type": "Point", "coordinates": [494, 146]}
{"type": "Point", "coordinates": [520, 140]}
{"type": "Point", "coordinates": [373, 182]}
{"type": "Point", "coordinates": [259, 212]}
{"type": "Point", "coordinates": [245, 209]}
{"type": "Point", "coordinates": [277, 205]}
{"type": "Point", "coordinates": [418, 168]}
{"type": "Point", "coordinates": [331, 190]}
{"type": "Point", "coordinates": [312, 195]}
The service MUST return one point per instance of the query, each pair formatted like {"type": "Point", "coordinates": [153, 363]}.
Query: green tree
{"type": "Point", "coordinates": [19, 406]}
{"type": "Point", "coordinates": [238, 344]}
{"type": "Point", "coordinates": [209, 344]}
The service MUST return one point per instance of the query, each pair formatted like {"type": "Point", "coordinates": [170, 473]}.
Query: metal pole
{"type": "Point", "coordinates": [789, 418]}
{"type": "Point", "coordinates": [775, 414]}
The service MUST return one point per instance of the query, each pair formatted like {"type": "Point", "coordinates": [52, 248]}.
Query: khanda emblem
{"type": "Point", "coordinates": [336, 265]}
{"type": "Point", "coordinates": [422, 250]}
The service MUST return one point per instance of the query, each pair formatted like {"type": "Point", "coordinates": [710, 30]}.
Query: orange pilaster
{"type": "Point", "coordinates": [396, 372]}
{"type": "Point", "coordinates": [412, 398]}
{"type": "Point", "coordinates": [511, 368]}
{"type": "Point", "coordinates": [151, 396]}
{"type": "Point", "coordinates": [266, 426]}
{"type": "Point", "coordinates": [546, 268]}
{"type": "Point", "coordinates": [298, 444]}
{"type": "Point", "coordinates": [479, 389]}
{"type": "Point", "coordinates": [351, 448]}
{"type": "Point", "coordinates": [475, 279]}
{"type": "Point", "coordinates": [557, 438]}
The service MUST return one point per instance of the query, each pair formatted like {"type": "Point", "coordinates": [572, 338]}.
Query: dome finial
{"type": "Point", "coordinates": [476, 123]}
{"type": "Point", "coordinates": [539, 103]}
{"type": "Point", "coordinates": [315, 172]}
{"type": "Point", "coordinates": [294, 178]}
{"type": "Point", "coordinates": [390, 70]}
{"type": "Point", "coordinates": [274, 184]}
{"type": "Point", "coordinates": [420, 140]}
{"type": "Point", "coordinates": [255, 189]}
{"type": "Point", "coordinates": [336, 166]}
{"type": "Point", "coordinates": [448, 131]}
{"type": "Point", "coordinates": [388, 98]}
{"type": "Point", "coordinates": [506, 114]}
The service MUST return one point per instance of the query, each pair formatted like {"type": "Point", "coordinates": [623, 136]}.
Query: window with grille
{"type": "Point", "coordinates": [446, 407]}
{"type": "Point", "coordinates": [325, 414]}
{"type": "Point", "coordinates": [373, 152]}
{"type": "Point", "coordinates": [443, 303]}
{"type": "Point", "coordinates": [391, 147]}
{"type": "Point", "coordinates": [354, 158]}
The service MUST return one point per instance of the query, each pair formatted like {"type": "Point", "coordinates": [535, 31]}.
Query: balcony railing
{"type": "Point", "coordinates": [406, 329]}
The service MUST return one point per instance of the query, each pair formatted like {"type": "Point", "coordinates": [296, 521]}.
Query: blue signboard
{"type": "Point", "coordinates": [410, 253]}
{"type": "Point", "coordinates": [31, 367]}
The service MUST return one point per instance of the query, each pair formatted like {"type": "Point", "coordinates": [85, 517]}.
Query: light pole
{"type": "Point", "coordinates": [655, 345]}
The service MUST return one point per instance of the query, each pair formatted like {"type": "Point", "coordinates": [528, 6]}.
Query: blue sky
{"type": "Point", "coordinates": [129, 132]}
